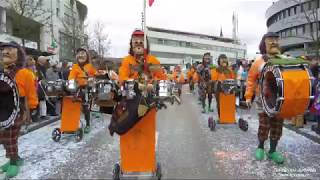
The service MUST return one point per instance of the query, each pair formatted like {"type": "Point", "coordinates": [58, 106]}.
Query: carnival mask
{"type": "Point", "coordinates": [207, 59]}
{"type": "Point", "coordinates": [272, 45]}
{"type": "Point", "coordinates": [9, 55]}
{"type": "Point", "coordinates": [81, 57]}
{"type": "Point", "coordinates": [137, 45]}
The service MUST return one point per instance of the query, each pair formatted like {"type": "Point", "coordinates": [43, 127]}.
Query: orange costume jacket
{"type": "Point", "coordinates": [218, 76]}
{"type": "Point", "coordinates": [127, 69]}
{"type": "Point", "coordinates": [25, 83]}
{"type": "Point", "coordinates": [253, 77]}
{"type": "Point", "coordinates": [178, 77]}
{"type": "Point", "coordinates": [195, 77]}
{"type": "Point", "coordinates": [77, 73]}
{"type": "Point", "coordinates": [190, 73]}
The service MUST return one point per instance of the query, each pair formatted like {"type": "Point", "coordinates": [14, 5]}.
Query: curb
{"type": "Point", "coordinates": [33, 127]}
{"type": "Point", "coordinates": [298, 131]}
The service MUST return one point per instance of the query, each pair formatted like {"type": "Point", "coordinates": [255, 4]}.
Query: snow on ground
{"type": "Point", "coordinates": [42, 154]}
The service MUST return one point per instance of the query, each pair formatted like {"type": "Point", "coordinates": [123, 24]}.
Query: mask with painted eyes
{"type": "Point", "coordinates": [81, 57]}
{"type": "Point", "coordinates": [138, 45]}
{"type": "Point", "coordinates": [272, 45]}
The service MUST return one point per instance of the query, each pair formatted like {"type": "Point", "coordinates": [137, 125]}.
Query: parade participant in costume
{"type": "Point", "coordinates": [79, 72]}
{"type": "Point", "coordinates": [135, 58]}
{"type": "Point", "coordinates": [190, 78]}
{"type": "Point", "coordinates": [13, 58]}
{"type": "Point", "coordinates": [137, 66]}
{"type": "Point", "coordinates": [220, 74]}
{"type": "Point", "coordinates": [178, 78]}
{"type": "Point", "coordinates": [205, 83]}
{"type": "Point", "coordinates": [269, 47]}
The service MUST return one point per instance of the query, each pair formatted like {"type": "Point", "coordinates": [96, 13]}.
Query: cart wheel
{"type": "Point", "coordinates": [158, 172]}
{"type": "Point", "coordinates": [243, 124]}
{"type": "Point", "coordinates": [314, 127]}
{"type": "Point", "coordinates": [211, 124]}
{"type": "Point", "coordinates": [79, 134]}
{"type": "Point", "coordinates": [56, 134]}
{"type": "Point", "coordinates": [116, 172]}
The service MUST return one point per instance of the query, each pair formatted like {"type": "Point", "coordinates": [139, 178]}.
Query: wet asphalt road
{"type": "Point", "coordinates": [187, 149]}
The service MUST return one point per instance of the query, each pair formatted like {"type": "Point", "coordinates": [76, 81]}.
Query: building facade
{"type": "Point", "coordinates": [177, 47]}
{"type": "Point", "coordinates": [48, 27]}
{"type": "Point", "coordinates": [297, 23]}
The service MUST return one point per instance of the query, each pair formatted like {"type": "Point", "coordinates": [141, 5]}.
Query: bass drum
{"type": "Point", "coordinates": [9, 104]}
{"type": "Point", "coordinates": [286, 90]}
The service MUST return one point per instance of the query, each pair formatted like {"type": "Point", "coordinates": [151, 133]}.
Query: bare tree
{"type": "Point", "coordinates": [99, 40]}
{"type": "Point", "coordinates": [31, 9]}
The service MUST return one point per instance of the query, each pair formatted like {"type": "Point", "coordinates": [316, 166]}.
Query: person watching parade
{"type": "Point", "coordinates": [81, 71]}
{"type": "Point", "coordinates": [220, 74]}
{"type": "Point", "coordinates": [14, 60]}
{"type": "Point", "coordinates": [269, 48]}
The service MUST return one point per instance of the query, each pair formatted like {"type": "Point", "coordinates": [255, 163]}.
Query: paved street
{"type": "Point", "coordinates": [186, 148]}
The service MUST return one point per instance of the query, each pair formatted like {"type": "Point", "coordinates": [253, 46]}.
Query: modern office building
{"type": "Point", "coordinates": [297, 23]}
{"type": "Point", "coordinates": [177, 47]}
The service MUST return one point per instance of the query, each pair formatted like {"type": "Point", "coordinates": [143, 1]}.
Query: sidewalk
{"type": "Point", "coordinates": [305, 131]}
{"type": "Point", "coordinates": [36, 125]}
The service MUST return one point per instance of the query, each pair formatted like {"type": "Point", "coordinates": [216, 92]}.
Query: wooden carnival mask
{"type": "Point", "coordinates": [137, 45]}
{"type": "Point", "coordinates": [272, 45]}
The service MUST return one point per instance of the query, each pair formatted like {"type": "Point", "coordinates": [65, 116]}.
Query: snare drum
{"type": "Point", "coordinates": [228, 86]}
{"type": "Point", "coordinates": [129, 89]}
{"type": "Point", "coordinates": [164, 88]}
{"type": "Point", "coordinates": [105, 93]}
{"type": "Point", "coordinates": [71, 86]}
{"type": "Point", "coordinates": [55, 88]}
{"type": "Point", "coordinates": [286, 90]}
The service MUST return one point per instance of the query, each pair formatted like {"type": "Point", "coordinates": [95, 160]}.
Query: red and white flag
{"type": "Point", "coordinates": [150, 2]}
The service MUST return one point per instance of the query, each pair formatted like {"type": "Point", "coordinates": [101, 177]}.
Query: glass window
{"type": "Point", "coordinates": [303, 29]}
{"type": "Point", "coordinates": [307, 28]}
{"type": "Point", "coordinates": [294, 31]}
{"type": "Point", "coordinates": [295, 10]}
{"type": "Point", "coordinates": [289, 13]}
{"type": "Point", "coordinates": [314, 26]}
{"type": "Point", "coordinates": [182, 44]}
{"type": "Point", "coordinates": [284, 14]}
{"type": "Point", "coordinates": [188, 44]}
{"type": "Point", "coordinates": [300, 30]}
{"type": "Point", "coordinates": [160, 41]}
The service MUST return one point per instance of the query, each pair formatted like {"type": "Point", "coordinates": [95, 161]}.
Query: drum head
{"type": "Point", "coordinates": [271, 90]}
{"type": "Point", "coordinates": [9, 104]}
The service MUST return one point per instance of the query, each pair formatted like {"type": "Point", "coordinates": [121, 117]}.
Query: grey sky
{"type": "Point", "coordinates": [121, 17]}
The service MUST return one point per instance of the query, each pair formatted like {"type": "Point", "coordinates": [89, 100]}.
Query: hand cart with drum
{"type": "Point", "coordinates": [227, 106]}
{"type": "Point", "coordinates": [138, 144]}
{"type": "Point", "coordinates": [71, 123]}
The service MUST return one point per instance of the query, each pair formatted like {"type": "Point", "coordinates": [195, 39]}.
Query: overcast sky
{"type": "Point", "coordinates": [121, 17]}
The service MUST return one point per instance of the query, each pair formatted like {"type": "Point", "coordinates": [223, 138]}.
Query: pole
{"type": "Point", "coordinates": [145, 35]}
{"type": "Point", "coordinates": [145, 22]}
